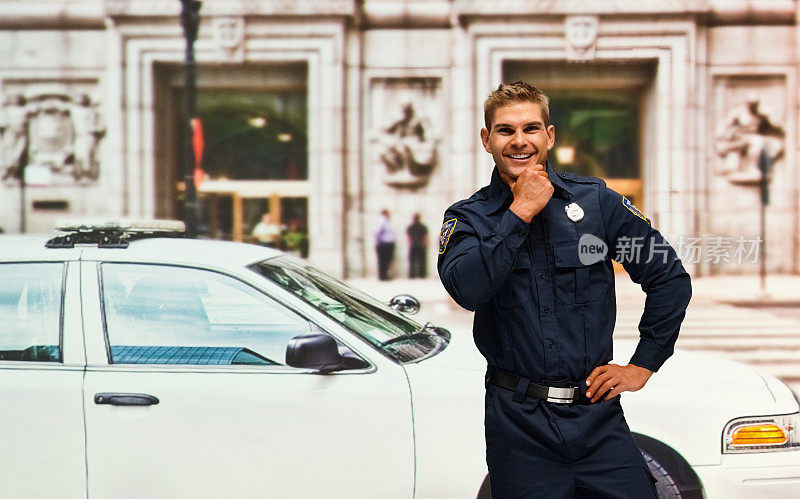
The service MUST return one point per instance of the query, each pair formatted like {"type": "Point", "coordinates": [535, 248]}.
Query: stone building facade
{"type": "Point", "coordinates": [393, 90]}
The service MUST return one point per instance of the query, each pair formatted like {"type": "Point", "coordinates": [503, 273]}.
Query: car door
{"type": "Point", "coordinates": [187, 395]}
{"type": "Point", "coordinates": [41, 374]}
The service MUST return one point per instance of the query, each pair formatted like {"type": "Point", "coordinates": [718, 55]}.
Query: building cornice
{"type": "Point", "coordinates": [292, 8]}
{"type": "Point", "coordinates": [707, 11]}
{"type": "Point", "coordinates": [407, 13]}
{"type": "Point", "coordinates": [574, 7]}
{"type": "Point", "coordinates": [95, 14]}
{"type": "Point", "coordinates": [52, 14]}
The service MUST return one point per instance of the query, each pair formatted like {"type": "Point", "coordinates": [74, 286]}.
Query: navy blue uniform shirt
{"type": "Point", "coordinates": [543, 292]}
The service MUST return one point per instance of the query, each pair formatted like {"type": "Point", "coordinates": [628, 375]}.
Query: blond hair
{"type": "Point", "coordinates": [512, 93]}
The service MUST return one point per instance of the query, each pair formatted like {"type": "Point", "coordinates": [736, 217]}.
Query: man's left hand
{"type": "Point", "coordinates": [612, 379]}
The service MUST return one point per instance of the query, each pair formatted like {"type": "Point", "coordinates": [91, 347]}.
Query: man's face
{"type": "Point", "coordinates": [518, 138]}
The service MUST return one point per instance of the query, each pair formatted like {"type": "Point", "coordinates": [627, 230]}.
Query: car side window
{"type": "Point", "coordinates": [31, 296]}
{"type": "Point", "coordinates": [158, 314]}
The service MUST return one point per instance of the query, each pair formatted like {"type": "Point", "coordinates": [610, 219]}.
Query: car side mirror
{"type": "Point", "coordinates": [405, 304]}
{"type": "Point", "coordinates": [317, 351]}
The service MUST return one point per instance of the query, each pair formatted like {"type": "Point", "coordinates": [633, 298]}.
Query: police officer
{"type": "Point", "coordinates": [530, 254]}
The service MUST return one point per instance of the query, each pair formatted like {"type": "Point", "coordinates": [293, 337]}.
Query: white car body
{"type": "Point", "coordinates": [411, 430]}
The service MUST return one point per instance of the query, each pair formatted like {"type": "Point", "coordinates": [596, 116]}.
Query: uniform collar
{"type": "Point", "coordinates": [500, 195]}
{"type": "Point", "coordinates": [561, 189]}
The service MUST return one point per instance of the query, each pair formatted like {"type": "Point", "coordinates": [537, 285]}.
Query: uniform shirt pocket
{"type": "Point", "coordinates": [516, 291]}
{"type": "Point", "coordinates": [576, 281]}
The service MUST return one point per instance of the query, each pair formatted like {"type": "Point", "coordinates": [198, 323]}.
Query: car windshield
{"type": "Point", "coordinates": [393, 334]}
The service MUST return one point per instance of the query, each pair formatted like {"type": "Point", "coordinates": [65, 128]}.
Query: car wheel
{"type": "Point", "coordinates": [665, 484]}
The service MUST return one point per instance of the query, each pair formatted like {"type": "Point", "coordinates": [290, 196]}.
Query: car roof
{"type": "Point", "coordinates": [164, 250]}
{"type": "Point", "coordinates": [31, 248]}
{"type": "Point", "coordinates": [184, 252]}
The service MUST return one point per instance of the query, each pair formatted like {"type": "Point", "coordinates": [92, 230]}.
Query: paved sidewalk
{"type": "Point", "coordinates": [781, 290]}
{"type": "Point", "coordinates": [761, 330]}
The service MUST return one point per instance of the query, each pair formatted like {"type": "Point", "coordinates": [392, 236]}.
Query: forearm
{"type": "Point", "coordinates": [664, 311]}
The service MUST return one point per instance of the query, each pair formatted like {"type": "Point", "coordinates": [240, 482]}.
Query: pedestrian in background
{"type": "Point", "coordinates": [267, 233]}
{"type": "Point", "coordinates": [384, 245]}
{"type": "Point", "coordinates": [417, 248]}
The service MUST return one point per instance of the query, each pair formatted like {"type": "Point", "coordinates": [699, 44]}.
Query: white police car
{"type": "Point", "coordinates": [133, 364]}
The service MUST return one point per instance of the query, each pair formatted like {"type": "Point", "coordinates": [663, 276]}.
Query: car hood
{"type": "Point", "coordinates": [461, 353]}
{"type": "Point", "coordinates": [687, 403]}
{"type": "Point", "coordinates": [706, 374]}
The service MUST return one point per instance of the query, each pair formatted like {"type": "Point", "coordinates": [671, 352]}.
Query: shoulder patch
{"type": "Point", "coordinates": [444, 235]}
{"type": "Point", "coordinates": [633, 209]}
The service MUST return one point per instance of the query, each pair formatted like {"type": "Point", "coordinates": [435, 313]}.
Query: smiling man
{"type": "Point", "coordinates": [531, 254]}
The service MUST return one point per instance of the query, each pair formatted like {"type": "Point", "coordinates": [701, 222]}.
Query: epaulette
{"type": "Point", "coordinates": [577, 179]}
{"type": "Point", "coordinates": [478, 196]}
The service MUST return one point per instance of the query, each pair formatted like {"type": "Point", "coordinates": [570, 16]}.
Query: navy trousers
{"type": "Point", "coordinates": [385, 256]}
{"type": "Point", "coordinates": [540, 450]}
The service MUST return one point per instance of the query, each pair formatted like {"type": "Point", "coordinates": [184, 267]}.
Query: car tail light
{"type": "Point", "coordinates": [762, 434]}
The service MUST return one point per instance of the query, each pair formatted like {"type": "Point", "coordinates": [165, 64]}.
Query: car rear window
{"type": "Point", "coordinates": [31, 298]}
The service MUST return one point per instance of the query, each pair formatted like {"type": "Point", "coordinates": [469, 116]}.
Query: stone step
{"type": "Point", "coordinates": [787, 374]}
{"type": "Point", "coordinates": [765, 320]}
{"type": "Point", "coordinates": [758, 358]}
{"type": "Point", "coordinates": [631, 330]}
{"type": "Point", "coordinates": [774, 347]}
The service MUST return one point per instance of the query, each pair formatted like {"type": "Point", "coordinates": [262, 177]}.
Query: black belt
{"type": "Point", "coordinates": [555, 394]}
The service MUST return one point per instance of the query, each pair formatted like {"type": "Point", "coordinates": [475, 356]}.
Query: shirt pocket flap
{"type": "Point", "coordinates": [522, 261]}
{"type": "Point", "coordinates": [567, 256]}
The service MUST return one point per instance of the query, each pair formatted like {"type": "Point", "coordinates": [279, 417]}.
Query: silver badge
{"type": "Point", "coordinates": [574, 212]}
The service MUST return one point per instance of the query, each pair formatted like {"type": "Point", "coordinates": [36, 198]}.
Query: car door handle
{"type": "Point", "coordinates": [125, 399]}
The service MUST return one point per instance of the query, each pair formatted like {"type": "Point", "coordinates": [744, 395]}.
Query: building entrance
{"type": "Point", "coordinates": [255, 154]}
{"type": "Point", "coordinates": [597, 134]}
{"type": "Point", "coordinates": [598, 110]}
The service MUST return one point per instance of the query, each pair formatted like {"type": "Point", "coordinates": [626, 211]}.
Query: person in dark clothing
{"type": "Point", "coordinates": [531, 254]}
{"type": "Point", "coordinates": [417, 248]}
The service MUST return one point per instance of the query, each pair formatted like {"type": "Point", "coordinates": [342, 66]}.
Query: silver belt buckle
{"type": "Point", "coordinates": [561, 395]}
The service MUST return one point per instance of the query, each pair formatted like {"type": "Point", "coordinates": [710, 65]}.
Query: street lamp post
{"type": "Point", "coordinates": [765, 162]}
{"type": "Point", "coordinates": [190, 19]}
{"type": "Point", "coordinates": [23, 202]}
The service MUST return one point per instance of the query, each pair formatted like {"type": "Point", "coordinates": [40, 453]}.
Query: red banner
{"type": "Point", "coordinates": [197, 144]}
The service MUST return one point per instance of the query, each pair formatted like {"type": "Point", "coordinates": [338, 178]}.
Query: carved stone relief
{"type": "Point", "coordinates": [229, 38]}
{"type": "Point", "coordinates": [748, 140]}
{"type": "Point", "coordinates": [404, 141]}
{"type": "Point", "coordinates": [50, 133]}
{"type": "Point", "coordinates": [581, 36]}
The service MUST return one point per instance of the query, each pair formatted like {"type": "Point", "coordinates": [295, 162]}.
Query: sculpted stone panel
{"type": "Point", "coordinates": [749, 121]}
{"type": "Point", "coordinates": [747, 140]}
{"type": "Point", "coordinates": [404, 142]}
{"type": "Point", "coordinates": [750, 137]}
{"type": "Point", "coordinates": [50, 133]}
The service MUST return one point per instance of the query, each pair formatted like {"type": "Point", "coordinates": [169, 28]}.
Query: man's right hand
{"type": "Point", "coordinates": [532, 190]}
